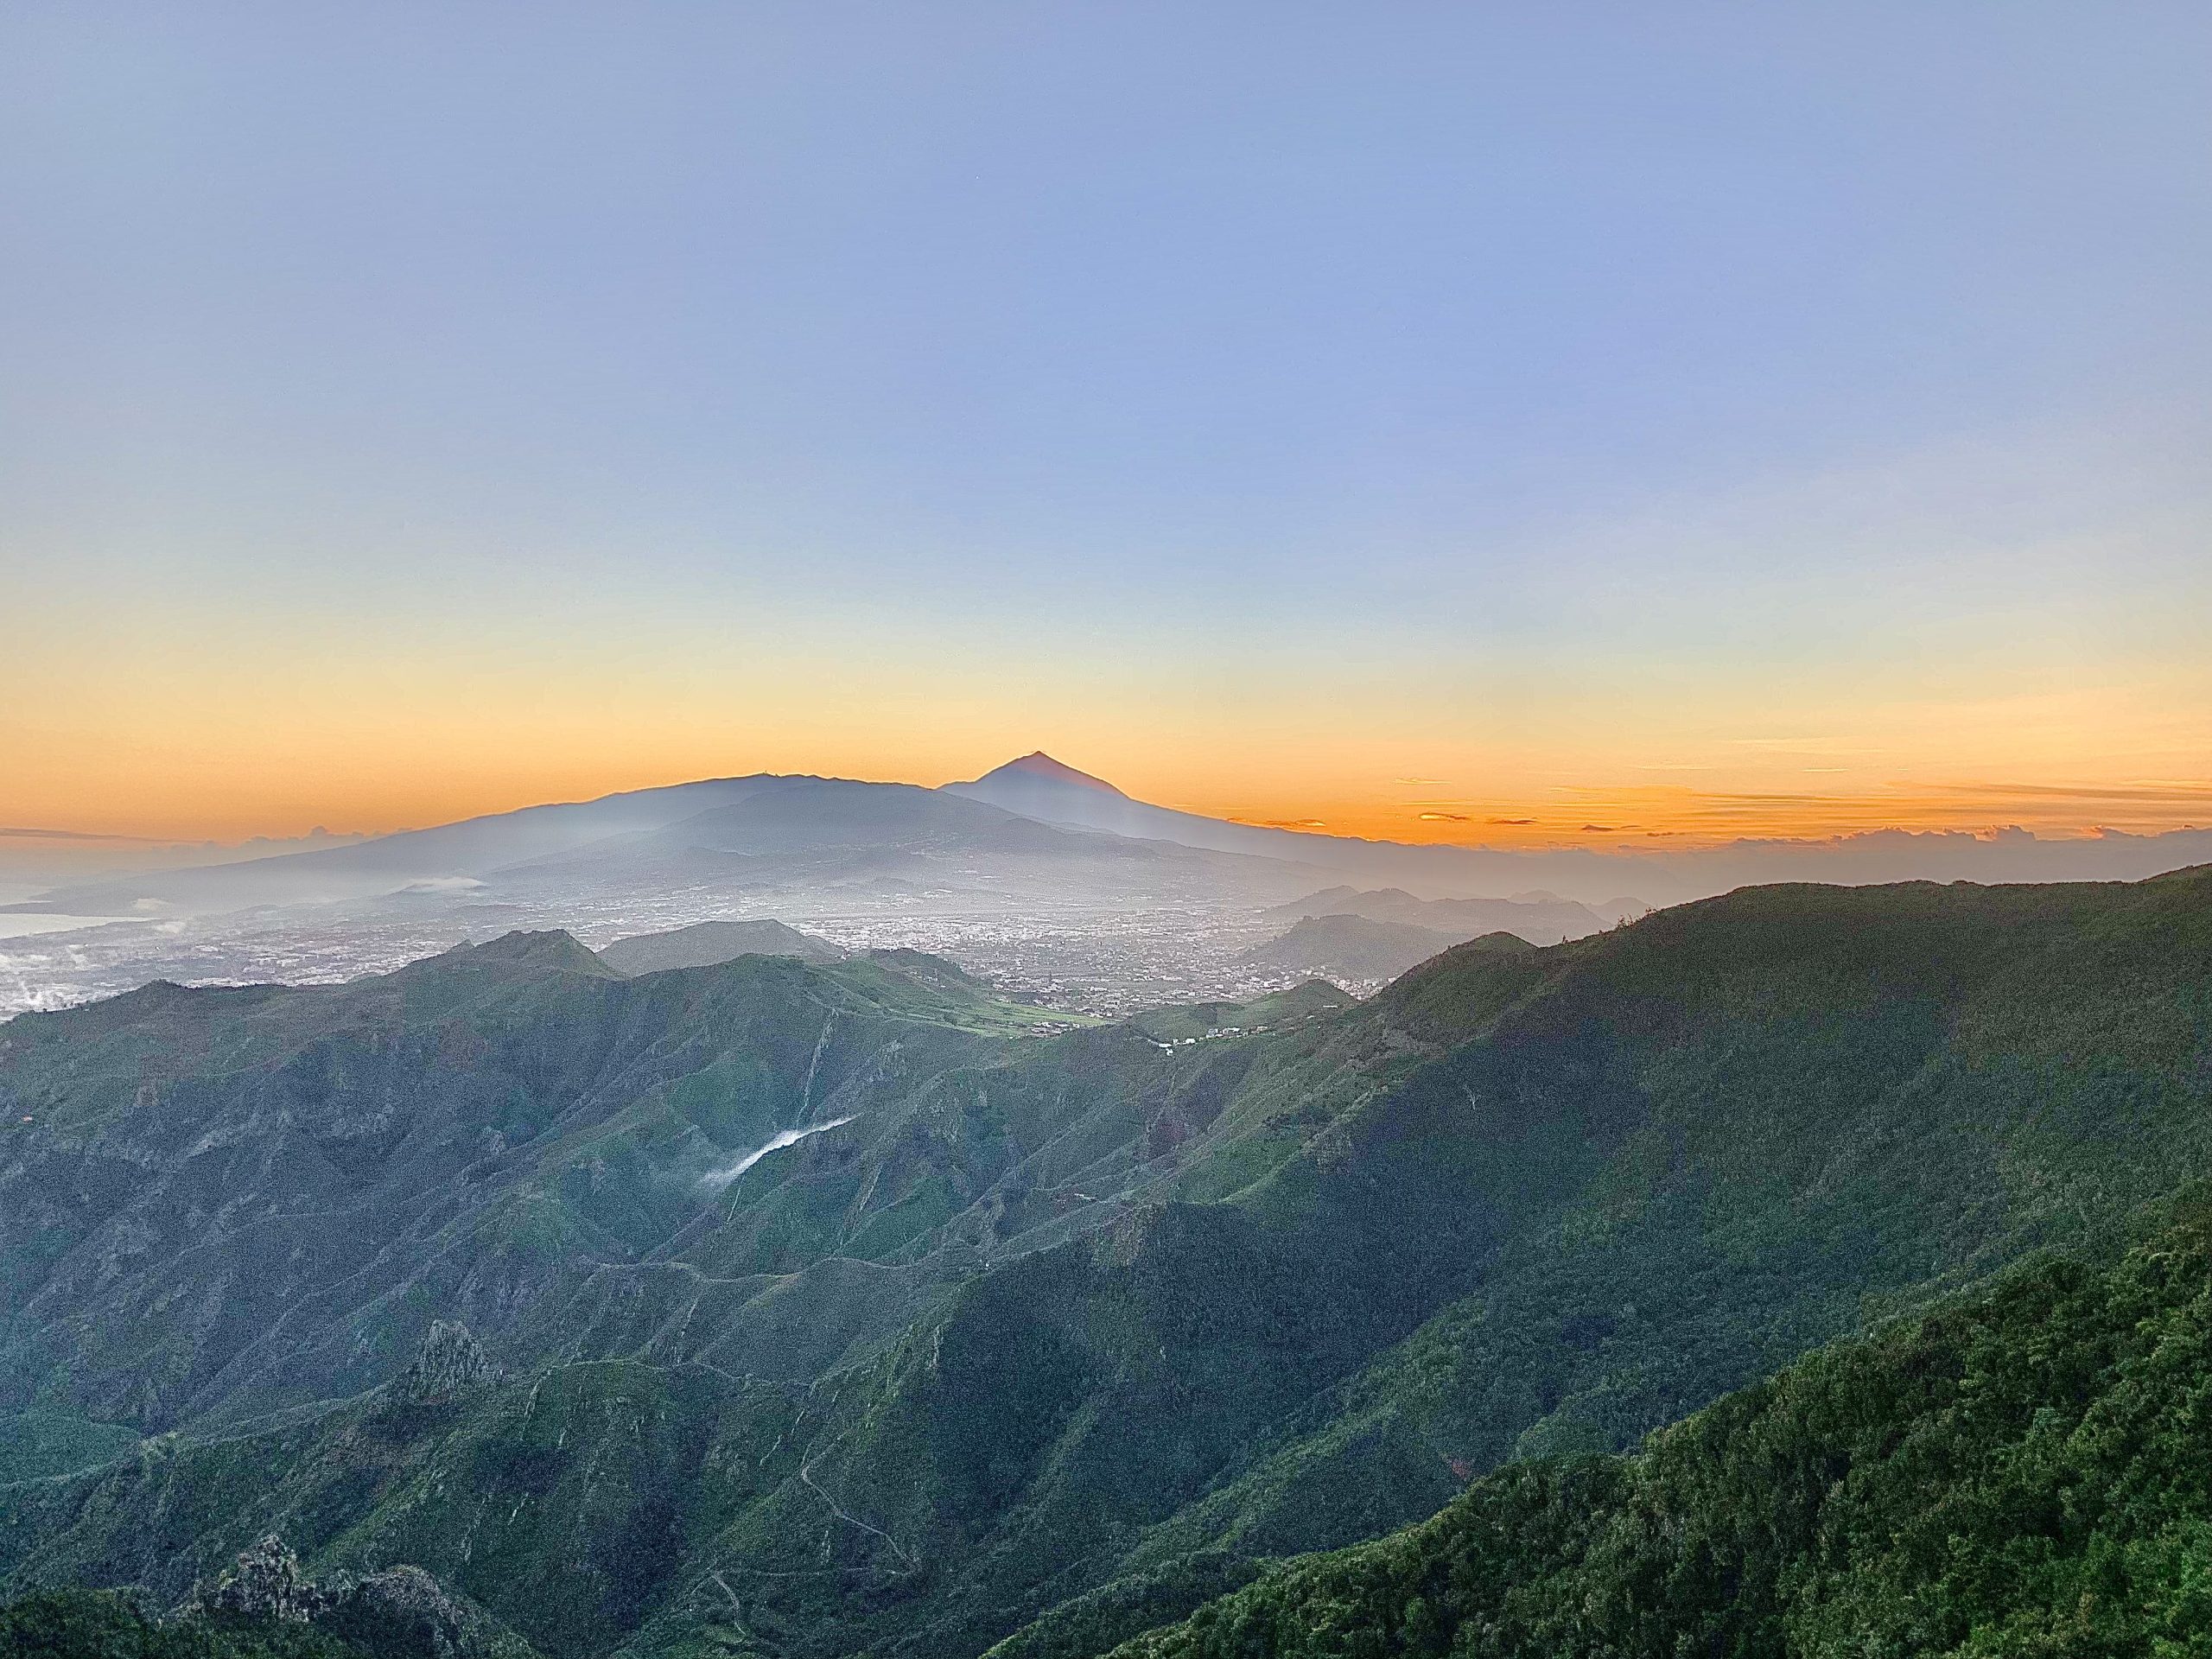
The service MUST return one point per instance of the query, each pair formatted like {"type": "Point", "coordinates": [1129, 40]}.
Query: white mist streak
{"type": "Point", "coordinates": [776, 1142]}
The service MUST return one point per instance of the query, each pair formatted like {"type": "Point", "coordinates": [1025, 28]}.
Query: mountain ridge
{"type": "Point", "coordinates": [1039, 1327]}
{"type": "Point", "coordinates": [1039, 786]}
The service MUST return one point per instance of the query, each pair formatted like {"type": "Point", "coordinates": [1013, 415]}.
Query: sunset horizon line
{"type": "Point", "coordinates": [1572, 817]}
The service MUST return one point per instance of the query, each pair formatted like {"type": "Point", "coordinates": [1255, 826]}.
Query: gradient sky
{"type": "Point", "coordinates": [1507, 422]}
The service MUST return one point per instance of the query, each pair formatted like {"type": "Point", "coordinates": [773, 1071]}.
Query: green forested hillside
{"type": "Point", "coordinates": [97, 1624]}
{"type": "Point", "coordinates": [1060, 1336]}
{"type": "Point", "coordinates": [1706, 1142]}
{"type": "Point", "coordinates": [2023, 1472]}
{"type": "Point", "coordinates": [215, 1203]}
{"type": "Point", "coordinates": [262, 1606]}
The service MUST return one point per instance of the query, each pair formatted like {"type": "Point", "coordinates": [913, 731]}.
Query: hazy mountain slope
{"type": "Point", "coordinates": [823, 815]}
{"type": "Point", "coordinates": [2021, 1472]}
{"type": "Point", "coordinates": [1351, 948]}
{"type": "Point", "coordinates": [703, 945]}
{"type": "Point", "coordinates": [1041, 787]}
{"type": "Point", "coordinates": [471, 849]}
{"type": "Point", "coordinates": [728, 834]}
{"type": "Point", "coordinates": [1539, 919]}
{"type": "Point", "coordinates": [813, 837]}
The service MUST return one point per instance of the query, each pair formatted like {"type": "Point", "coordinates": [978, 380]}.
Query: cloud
{"type": "Point", "coordinates": [1444, 817]}
{"type": "Point", "coordinates": [21, 833]}
{"type": "Point", "coordinates": [2153, 790]}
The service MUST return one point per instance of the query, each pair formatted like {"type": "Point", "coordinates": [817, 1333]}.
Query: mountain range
{"type": "Point", "coordinates": [763, 829]}
{"type": "Point", "coordinates": [760, 832]}
{"type": "Point", "coordinates": [765, 823]}
{"type": "Point", "coordinates": [1047, 881]}
{"type": "Point", "coordinates": [1050, 882]}
{"type": "Point", "coordinates": [1358, 952]}
{"type": "Point", "coordinates": [1539, 918]}
{"type": "Point", "coordinates": [832, 1307]}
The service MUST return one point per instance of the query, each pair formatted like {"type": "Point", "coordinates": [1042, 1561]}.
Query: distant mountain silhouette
{"type": "Point", "coordinates": [1038, 828]}
{"type": "Point", "coordinates": [1539, 918]}
{"type": "Point", "coordinates": [1352, 947]}
{"type": "Point", "coordinates": [471, 848]}
{"type": "Point", "coordinates": [703, 945]}
{"type": "Point", "coordinates": [1038, 765]}
{"type": "Point", "coordinates": [1657, 871]}
{"type": "Point", "coordinates": [765, 833]}
{"type": "Point", "coordinates": [1348, 948]}
{"type": "Point", "coordinates": [1037, 786]}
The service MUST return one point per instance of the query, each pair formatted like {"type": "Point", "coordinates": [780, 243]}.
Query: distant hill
{"type": "Point", "coordinates": [1349, 948]}
{"type": "Point", "coordinates": [823, 833]}
{"type": "Point", "coordinates": [1037, 786]}
{"type": "Point", "coordinates": [1036, 771]}
{"type": "Point", "coordinates": [1280, 1010]}
{"type": "Point", "coordinates": [752, 836]}
{"type": "Point", "coordinates": [704, 943]}
{"type": "Point", "coordinates": [476, 859]}
{"type": "Point", "coordinates": [520, 955]}
{"type": "Point", "coordinates": [470, 849]}
{"type": "Point", "coordinates": [1541, 919]}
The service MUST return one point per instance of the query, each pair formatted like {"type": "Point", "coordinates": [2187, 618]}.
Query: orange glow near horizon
{"type": "Point", "coordinates": [203, 729]}
{"type": "Point", "coordinates": [267, 778]}
{"type": "Point", "coordinates": [416, 420]}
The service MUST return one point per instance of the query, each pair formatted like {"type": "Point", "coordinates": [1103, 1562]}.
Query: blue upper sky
{"type": "Point", "coordinates": [1192, 364]}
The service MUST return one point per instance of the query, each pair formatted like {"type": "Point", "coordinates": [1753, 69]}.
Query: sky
{"type": "Point", "coordinates": [1515, 423]}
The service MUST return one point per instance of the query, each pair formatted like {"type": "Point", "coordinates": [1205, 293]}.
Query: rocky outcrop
{"type": "Point", "coordinates": [265, 1583]}
{"type": "Point", "coordinates": [449, 1360]}
{"type": "Point", "coordinates": [399, 1610]}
